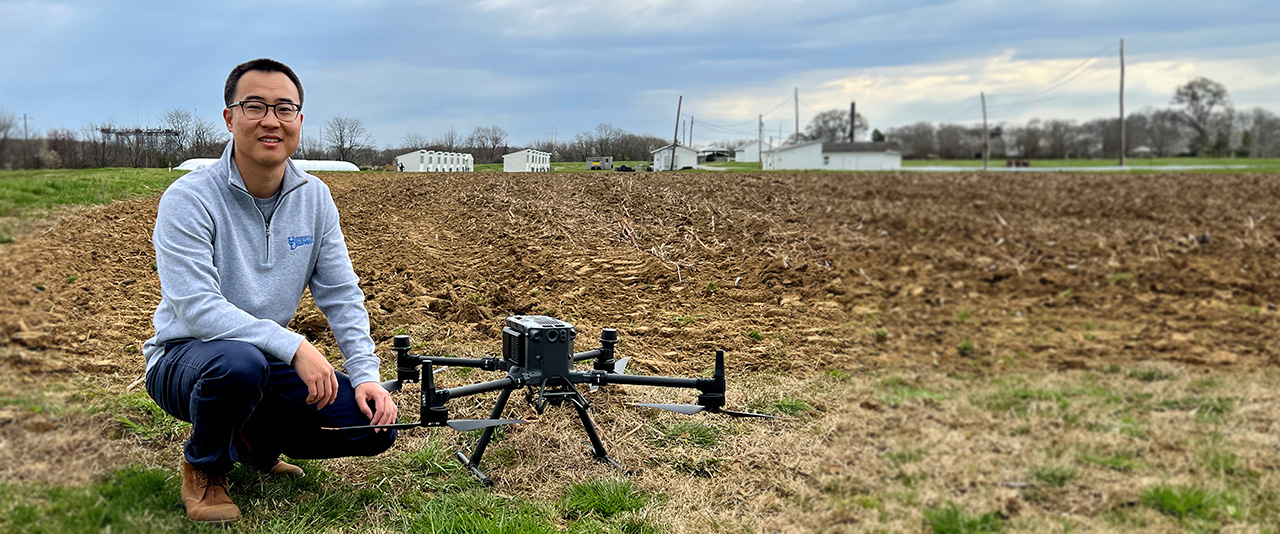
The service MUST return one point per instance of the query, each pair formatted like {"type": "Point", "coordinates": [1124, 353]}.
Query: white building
{"type": "Point", "coordinates": [684, 157]}
{"type": "Point", "coordinates": [304, 165]}
{"type": "Point", "coordinates": [527, 160]}
{"type": "Point", "coordinates": [433, 161]}
{"type": "Point", "coordinates": [816, 155]}
{"type": "Point", "coordinates": [751, 152]}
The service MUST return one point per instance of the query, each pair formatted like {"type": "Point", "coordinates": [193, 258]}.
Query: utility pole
{"type": "Point", "coordinates": [675, 139]}
{"type": "Point", "coordinates": [986, 137]}
{"type": "Point", "coordinates": [853, 119]}
{"type": "Point", "coordinates": [26, 142]}
{"type": "Point", "coordinates": [760, 140]}
{"type": "Point", "coordinates": [690, 130]}
{"type": "Point", "coordinates": [797, 99]}
{"type": "Point", "coordinates": [1122, 102]}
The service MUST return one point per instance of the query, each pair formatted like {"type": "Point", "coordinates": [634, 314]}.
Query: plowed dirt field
{"type": "Point", "coordinates": [797, 276]}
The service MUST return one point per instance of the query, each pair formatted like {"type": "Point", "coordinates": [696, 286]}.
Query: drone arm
{"type": "Point", "coordinates": [659, 381]}
{"type": "Point", "coordinates": [475, 389]}
{"type": "Point", "coordinates": [487, 364]}
{"type": "Point", "coordinates": [587, 355]}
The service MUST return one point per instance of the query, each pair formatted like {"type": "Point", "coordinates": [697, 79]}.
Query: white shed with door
{"type": "Point", "coordinates": [527, 160]}
{"type": "Point", "coordinates": [684, 157]}
{"type": "Point", "coordinates": [434, 161]}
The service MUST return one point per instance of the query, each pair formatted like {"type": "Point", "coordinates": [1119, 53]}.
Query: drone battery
{"type": "Point", "coordinates": [539, 344]}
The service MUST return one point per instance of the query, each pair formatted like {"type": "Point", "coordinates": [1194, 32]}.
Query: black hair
{"type": "Point", "coordinates": [263, 65]}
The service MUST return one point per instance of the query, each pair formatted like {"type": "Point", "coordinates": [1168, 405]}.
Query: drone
{"type": "Point", "coordinates": [537, 354]}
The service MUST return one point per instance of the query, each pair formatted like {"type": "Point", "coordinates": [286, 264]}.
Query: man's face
{"type": "Point", "coordinates": [265, 143]}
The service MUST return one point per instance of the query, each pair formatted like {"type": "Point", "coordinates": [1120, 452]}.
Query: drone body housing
{"type": "Point", "coordinates": [539, 344]}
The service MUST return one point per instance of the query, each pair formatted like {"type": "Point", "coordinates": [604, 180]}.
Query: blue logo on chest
{"type": "Point", "coordinates": [300, 241]}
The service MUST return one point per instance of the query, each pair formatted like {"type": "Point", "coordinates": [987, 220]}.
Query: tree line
{"type": "Point", "coordinates": [1201, 121]}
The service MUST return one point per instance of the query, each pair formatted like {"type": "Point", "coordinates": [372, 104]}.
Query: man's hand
{"type": "Point", "coordinates": [317, 373]}
{"type": "Point", "coordinates": [384, 409]}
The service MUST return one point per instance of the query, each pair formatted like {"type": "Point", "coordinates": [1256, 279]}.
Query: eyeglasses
{"type": "Point", "coordinates": [254, 110]}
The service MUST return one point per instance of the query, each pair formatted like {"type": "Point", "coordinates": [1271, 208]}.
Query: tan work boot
{"type": "Point", "coordinates": [273, 466]}
{"type": "Point", "coordinates": [205, 496]}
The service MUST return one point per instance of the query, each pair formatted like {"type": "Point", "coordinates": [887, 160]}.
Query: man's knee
{"type": "Point", "coordinates": [378, 442]}
{"type": "Point", "coordinates": [238, 364]}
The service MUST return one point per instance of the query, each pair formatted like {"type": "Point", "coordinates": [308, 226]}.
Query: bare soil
{"type": "Point", "coordinates": [792, 274]}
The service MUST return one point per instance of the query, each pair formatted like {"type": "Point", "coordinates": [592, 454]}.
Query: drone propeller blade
{"type": "Point", "coordinates": [687, 409]}
{"type": "Point", "coordinates": [464, 425]}
{"type": "Point", "coordinates": [732, 413]}
{"type": "Point", "coordinates": [391, 385]}
{"type": "Point", "coordinates": [400, 426]}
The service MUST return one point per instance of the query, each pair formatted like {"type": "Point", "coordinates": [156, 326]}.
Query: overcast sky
{"type": "Point", "coordinates": [531, 66]}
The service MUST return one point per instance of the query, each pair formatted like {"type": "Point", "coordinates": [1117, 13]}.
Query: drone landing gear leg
{"type": "Point", "coordinates": [473, 463]}
{"type": "Point", "coordinates": [597, 447]}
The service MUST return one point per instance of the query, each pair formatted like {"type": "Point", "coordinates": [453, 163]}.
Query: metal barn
{"type": "Point", "coordinates": [527, 160]}
{"type": "Point", "coordinates": [433, 161]}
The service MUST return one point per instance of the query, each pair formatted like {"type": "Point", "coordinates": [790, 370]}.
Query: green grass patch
{"type": "Point", "coordinates": [963, 315]}
{"type": "Point", "coordinates": [1023, 401]}
{"type": "Point", "coordinates": [788, 406]}
{"type": "Point", "coordinates": [1052, 475]}
{"type": "Point", "coordinates": [880, 335]}
{"type": "Point", "coordinates": [130, 500]}
{"type": "Point", "coordinates": [23, 193]}
{"type": "Point", "coordinates": [966, 348]}
{"type": "Point", "coordinates": [756, 335]}
{"type": "Point", "coordinates": [839, 375]}
{"type": "Point", "coordinates": [1209, 409]}
{"type": "Point", "coordinates": [896, 391]}
{"type": "Point", "coordinates": [1123, 462]}
{"type": "Point", "coordinates": [1184, 502]}
{"type": "Point", "coordinates": [684, 433]}
{"type": "Point", "coordinates": [904, 457]}
{"type": "Point", "coordinates": [139, 415]}
{"type": "Point", "coordinates": [604, 498]}
{"type": "Point", "coordinates": [951, 519]}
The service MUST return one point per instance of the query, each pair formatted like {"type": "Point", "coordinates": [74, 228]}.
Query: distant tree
{"type": "Point", "coordinates": [7, 122]}
{"type": "Point", "coordinates": [449, 141]}
{"type": "Point", "coordinates": [954, 142]}
{"type": "Point", "coordinates": [1264, 134]}
{"type": "Point", "coordinates": [415, 141]}
{"type": "Point", "coordinates": [488, 142]}
{"type": "Point", "coordinates": [1060, 139]}
{"type": "Point", "coordinates": [1200, 98]}
{"type": "Point", "coordinates": [345, 137]}
{"type": "Point", "coordinates": [1027, 139]}
{"type": "Point", "coordinates": [876, 136]}
{"type": "Point", "coordinates": [833, 126]}
{"type": "Point", "coordinates": [917, 140]}
{"type": "Point", "coordinates": [1165, 132]}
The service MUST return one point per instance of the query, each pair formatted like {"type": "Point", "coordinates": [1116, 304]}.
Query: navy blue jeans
{"type": "Point", "coordinates": [222, 387]}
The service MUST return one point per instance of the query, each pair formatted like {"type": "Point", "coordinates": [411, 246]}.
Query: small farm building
{"type": "Point", "coordinates": [527, 160]}
{"type": "Point", "coordinates": [600, 163]}
{"type": "Point", "coordinates": [817, 155]}
{"type": "Point", "coordinates": [305, 165]}
{"type": "Point", "coordinates": [715, 153]}
{"type": "Point", "coordinates": [433, 161]}
{"type": "Point", "coordinates": [750, 152]}
{"type": "Point", "coordinates": [684, 157]}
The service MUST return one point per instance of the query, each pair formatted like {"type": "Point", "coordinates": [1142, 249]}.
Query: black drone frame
{"type": "Point", "coordinates": [537, 353]}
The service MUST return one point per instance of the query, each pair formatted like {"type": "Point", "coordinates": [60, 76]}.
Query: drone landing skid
{"type": "Point", "coordinates": [559, 394]}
